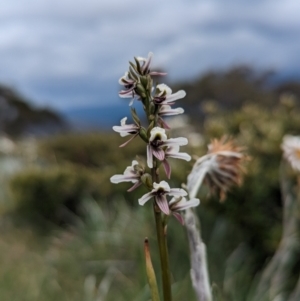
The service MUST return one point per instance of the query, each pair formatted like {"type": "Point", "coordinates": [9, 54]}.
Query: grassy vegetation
{"type": "Point", "coordinates": [69, 234]}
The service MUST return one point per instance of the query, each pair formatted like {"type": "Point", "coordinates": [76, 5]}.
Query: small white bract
{"type": "Point", "coordinates": [291, 151]}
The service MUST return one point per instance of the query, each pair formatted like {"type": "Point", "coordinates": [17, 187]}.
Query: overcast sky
{"type": "Point", "coordinates": [66, 53]}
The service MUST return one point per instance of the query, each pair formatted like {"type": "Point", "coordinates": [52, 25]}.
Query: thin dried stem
{"type": "Point", "coordinates": [199, 271]}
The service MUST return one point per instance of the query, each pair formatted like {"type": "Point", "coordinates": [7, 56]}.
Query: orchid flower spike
{"type": "Point", "coordinates": [132, 79]}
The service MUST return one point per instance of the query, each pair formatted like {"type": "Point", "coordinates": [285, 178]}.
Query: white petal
{"type": "Point", "coordinates": [187, 204]}
{"type": "Point", "coordinates": [163, 185]}
{"type": "Point", "coordinates": [183, 156]}
{"type": "Point", "coordinates": [123, 121]}
{"type": "Point", "coordinates": [148, 61]}
{"type": "Point", "coordinates": [149, 156]}
{"type": "Point", "coordinates": [158, 132]}
{"type": "Point", "coordinates": [129, 171]}
{"type": "Point", "coordinates": [178, 95]}
{"type": "Point", "coordinates": [164, 88]}
{"type": "Point", "coordinates": [134, 162]}
{"type": "Point", "coordinates": [145, 198]}
{"type": "Point", "coordinates": [123, 178]}
{"type": "Point", "coordinates": [166, 110]}
{"type": "Point", "coordinates": [176, 141]}
{"type": "Point", "coordinates": [177, 192]}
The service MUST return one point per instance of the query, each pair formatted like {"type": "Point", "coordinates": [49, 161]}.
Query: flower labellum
{"type": "Point", "coordinates": [158, 141]}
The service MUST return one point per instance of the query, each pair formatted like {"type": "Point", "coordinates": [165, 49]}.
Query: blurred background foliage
{"type": "Point", "coordinates": [68, 233]}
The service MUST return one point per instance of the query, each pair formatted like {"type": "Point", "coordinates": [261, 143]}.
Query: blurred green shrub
{"type": "Point", "coordinates": [54, 191]}
{"type": "Point", "coordinates": [97, 152]}
{"type": "Point", "coordinates": [93, 150]}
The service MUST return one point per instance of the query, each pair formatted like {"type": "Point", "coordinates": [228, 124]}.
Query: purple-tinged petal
{"type": "Point", "coordinates": [162, 203]}
{"type": "Point", "coordinates": [163, 123]}
{"type": "Point", "coordinates": [145, 198]}
{"type": "Point", "coordinates": [124, 144]}
{"type": "Point", "coordinates": [157, 73]}
{"type": "Point", "coordinates": [147, 63]}
{"type": "Point", "coordinates": [159, 100]}
{"type": "Point", "coordinates": [158, 153]}
{"type": "Point", "coordinates": [136, 185]}
{"type": "Point", "coordinates": [149, 156]}
{"type": "Point", "coordinates": [167, 168]}
{"type": "Point", "coordinates": [179, 217]}
{"type": "Point", "coordinates": [127, 93]}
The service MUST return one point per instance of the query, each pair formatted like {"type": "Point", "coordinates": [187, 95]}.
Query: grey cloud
{"type": "Point", "coordinates": [48, 47]}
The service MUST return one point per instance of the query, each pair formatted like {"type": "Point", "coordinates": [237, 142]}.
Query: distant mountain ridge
{"type": "Point", "coordinates": [98, 117]}
{"type": "Point", "coordinates": [19, 118]}
{"type": "Point", "coordinates": [229, 89]}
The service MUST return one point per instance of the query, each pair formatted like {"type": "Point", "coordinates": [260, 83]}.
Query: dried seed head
{"type": "Point", "coordinates": [291, 151]}
{"type": "Point", "coordinates": [221, 168]}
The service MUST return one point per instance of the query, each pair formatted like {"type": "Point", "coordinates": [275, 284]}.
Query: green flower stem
{"type": "Point", "coordinates": [162, 244]}
{"type": "Point", "coordinates": [164, 256]}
